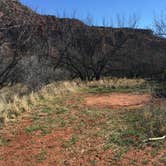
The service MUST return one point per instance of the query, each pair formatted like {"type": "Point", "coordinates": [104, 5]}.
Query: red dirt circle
{"type": "Point", "coordinates": [118, 100]}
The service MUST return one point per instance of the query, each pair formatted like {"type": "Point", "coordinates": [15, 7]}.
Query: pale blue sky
{"type": "Point", "coordinates": [99, 9]}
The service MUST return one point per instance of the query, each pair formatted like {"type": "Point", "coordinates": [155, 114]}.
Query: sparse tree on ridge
{"type": "Point", "coordinates": [160, 24]}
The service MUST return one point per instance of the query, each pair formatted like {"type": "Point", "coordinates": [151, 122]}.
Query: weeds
{"type": "Point", "coordinates": [124, 89]}
{"type": "Point", "coordinates": [127, 138]}
{"type": "Point", "coordinates": [70, 142]}
{"type": "Point", "coordinates": [37, 127]}
{"type": "Point", "coordinates": [145, 161]}
{"type": "Point", "coordinates": [151, 121]}
{"type": "Point", "coordinates": [41, 156]}
{"type": "Point", "coordinates": [117, 85]}
{"type": "Point", "coordinates": [163, 159]}
{"type": "Point", "coordinates": [47, 110]}
{"type": "Point", "coordinates": [61, 111]}
{"type": "Point", "coordinates": [140, 125]}
{"type": "Point", "coordinates": [4, 141]}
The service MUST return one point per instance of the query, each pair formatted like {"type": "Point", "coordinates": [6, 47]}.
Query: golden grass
{"type": "Point", "coordinates": [116, 82]}
{"type": "Point", "coordinates": [15, 100]}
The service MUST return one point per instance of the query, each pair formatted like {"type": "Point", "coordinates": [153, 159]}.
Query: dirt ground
{"type": "Point", "coordinates": [29, 150]}
{"type": "Point", "coordinates": [118, 100]}
{"type": "Point", "coordinates": [24, 149]}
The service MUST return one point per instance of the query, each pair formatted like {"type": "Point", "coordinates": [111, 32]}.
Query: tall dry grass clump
{"type": "Point", "coordinates": [11, 102]}
{"type": "Point", "coordinates": [17, 99]}
{"type": "Point", "coordinates": [116, 82]}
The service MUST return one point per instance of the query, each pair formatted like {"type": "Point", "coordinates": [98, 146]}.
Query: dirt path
{"type": "Point", "coordinates": [118, 100]}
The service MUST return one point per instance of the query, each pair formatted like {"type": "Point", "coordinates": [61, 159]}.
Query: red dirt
{"type": "Point", "coordinates": [118, 100]}
{"type": "Point", "coordinates": [25, 149]}
{"type": "Point", "coordinates": [140, 156]}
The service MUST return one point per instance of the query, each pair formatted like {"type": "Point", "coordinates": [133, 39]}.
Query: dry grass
{"type": "Point", "coordinates": [116, 82]}
{"type": "Point", "coordinates": [15, 100]}
{"type": "Point", "coordinates": [107, 132]}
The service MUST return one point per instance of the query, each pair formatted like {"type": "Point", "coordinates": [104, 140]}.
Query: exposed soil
{"type": "Point", "coordinates": [147, 156]}
{"type": "Point", "coordinates": [35, 149]}
{"type": "Point", "coordinates": [118, 100]}
{"type": "Point", "coordinates": [26, 149]}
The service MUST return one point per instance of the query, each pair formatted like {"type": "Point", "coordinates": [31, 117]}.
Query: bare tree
{"type": "Point", "coordinates": [88, 20]}
{"type": "Point", "coordinates": [87, 53]}
{"type": "Point", "coordinates": [160, 24]}
{"type": "Point", "coordinates": [133, 20]}
{"type": "Point", "coordinates": [128, 21]}
{"type": "Point", "coordinates": [20, 37]}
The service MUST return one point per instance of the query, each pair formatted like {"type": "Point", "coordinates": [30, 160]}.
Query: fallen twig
{"type": "Point", "coordinates": [155, 139]}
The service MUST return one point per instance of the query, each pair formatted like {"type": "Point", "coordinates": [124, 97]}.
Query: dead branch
{"type": "Point", "coordinates": [155, 139]}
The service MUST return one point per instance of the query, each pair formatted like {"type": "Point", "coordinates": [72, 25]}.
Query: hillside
{"type": "Point", "coordinates": [36, 49]}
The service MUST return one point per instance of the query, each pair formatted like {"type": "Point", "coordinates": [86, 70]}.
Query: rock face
{"type": "Point", "coordinates": [37, 43]}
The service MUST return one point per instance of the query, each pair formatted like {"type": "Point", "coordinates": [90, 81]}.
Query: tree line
{"type": "Point", "coordinates": [85, 56]}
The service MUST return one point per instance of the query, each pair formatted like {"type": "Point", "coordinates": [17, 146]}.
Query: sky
{"type": "Point", "coordinates": [100, 10]}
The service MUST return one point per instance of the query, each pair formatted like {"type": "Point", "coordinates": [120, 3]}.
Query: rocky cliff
{"type": "Point", "coordinates": [32, 47]}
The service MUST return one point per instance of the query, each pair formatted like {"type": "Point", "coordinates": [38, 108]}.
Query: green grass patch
{"type": "Point", "coordinates": [47, 110]}
{"type": "Point", "coordinates": [128, 137]}
{"type": "Point", "coordinates": [41, 156]}
{"type": "Point", "coordinates": [150, 120]}
{"type": "Point", "coordinates": [121, 89]}
{"type": "Point", "coordinates": [163, 159]}
{"type": "Point", "coordinates": [145, 161]}
{"type": "Point", "coordinates": [38, 127]}
{"type": "Point", "coordinates": [4, 141]}
{"type": "Point", "coordinates": [62, 110]}
{"type": "Point", "coordinates": [139, 125]}
{"type": "Point", "coordinates": [72, 141]}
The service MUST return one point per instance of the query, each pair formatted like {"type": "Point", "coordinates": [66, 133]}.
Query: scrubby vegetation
{"type": "Point", "coordinates": [94, 130]}
{"type": "Point", "coordinates": [17, 99]}
{"type": "Point", "coordinates": [50, 67]}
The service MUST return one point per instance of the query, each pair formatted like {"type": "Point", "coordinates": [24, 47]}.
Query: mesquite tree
{"type": "Point", "coordinates": [87, 52]}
